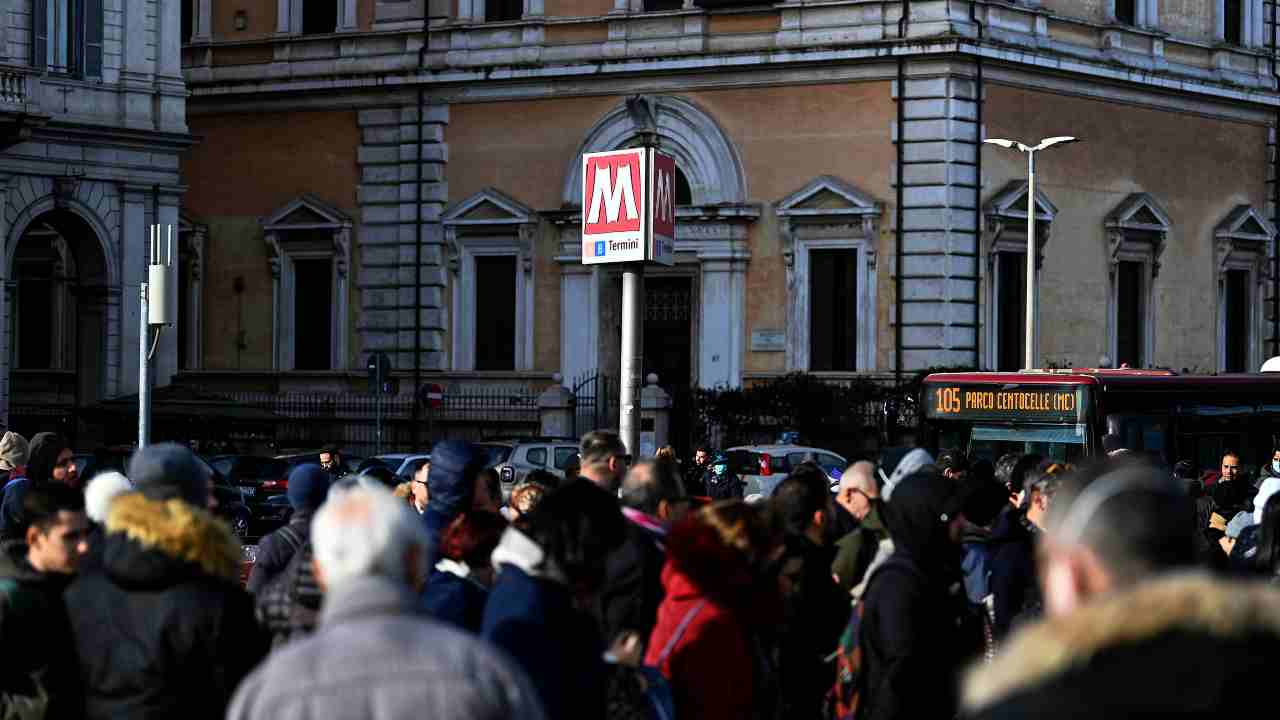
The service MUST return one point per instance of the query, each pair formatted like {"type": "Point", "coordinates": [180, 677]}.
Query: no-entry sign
{"type": "Point", "coordinates": [628, 207]}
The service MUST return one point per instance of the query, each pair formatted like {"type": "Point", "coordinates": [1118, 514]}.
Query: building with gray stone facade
{"type": "Point", "coordinates": [92, 127]}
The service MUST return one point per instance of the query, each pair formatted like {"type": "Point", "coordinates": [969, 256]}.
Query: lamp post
{"type": "Point", "coordinates": [1031, 151]}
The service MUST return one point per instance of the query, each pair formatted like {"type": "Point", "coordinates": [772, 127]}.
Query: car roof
{"type": "Point", "coordinates": [784, 448]}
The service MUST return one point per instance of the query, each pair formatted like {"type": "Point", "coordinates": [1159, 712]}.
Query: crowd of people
{"type": "Point", "coordinates": [914, 587]}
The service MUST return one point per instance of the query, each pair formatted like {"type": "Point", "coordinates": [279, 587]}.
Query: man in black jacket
{"type": "Point", "coordinates": [815, 610]}
{"type": "Point", "coordinates": [38, 672]}
{"type": "Point", "coordinates": [1014, 580]}
{"type": "Point", "coordinates": [308, 488]}
{"type": "Point", "coordinates": [162, 628]}
{"type": "Point", "coordinates": [917, 630]}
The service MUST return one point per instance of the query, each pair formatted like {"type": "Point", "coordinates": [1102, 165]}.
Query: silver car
{"type": "Point", "coordinates": [763, 467]}
{"type": "Point", "coordinates": [514, 460]}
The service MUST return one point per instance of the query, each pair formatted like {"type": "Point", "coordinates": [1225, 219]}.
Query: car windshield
{"type": "Point", "coordinates": [494, 454]}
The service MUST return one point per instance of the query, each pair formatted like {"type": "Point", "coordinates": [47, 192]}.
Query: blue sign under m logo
{"type": "Point", "coordinates": [599, 248]}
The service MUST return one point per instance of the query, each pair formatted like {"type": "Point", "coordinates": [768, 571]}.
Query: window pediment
{"type": "Point", "coordinates": [489, 213]}
{"type": "Point", "coordinates": [1006, 220]}
{"type": "Point", "coordinates": [1240, 240]}
{"type": "Point", "coordinates": [306, 212]}
{"type": "Point", "coordinates": [1136, 231]}
{"type": "Point", "coordinates": [827, 207]}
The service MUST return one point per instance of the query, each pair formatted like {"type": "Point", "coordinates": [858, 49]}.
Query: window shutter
{"type": "Point", "coordinates": [39, 33]}
{"type": "Point", "coordinates": [93, 21]}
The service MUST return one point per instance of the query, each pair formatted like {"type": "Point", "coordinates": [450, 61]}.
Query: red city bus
{"type": "Point", "coordinates": [1063, 414]}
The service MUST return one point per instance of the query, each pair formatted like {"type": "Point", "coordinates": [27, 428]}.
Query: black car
{"type": "Point", "coordinates": [251, 473]}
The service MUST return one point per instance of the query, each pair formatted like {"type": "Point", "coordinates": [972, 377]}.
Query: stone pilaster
{"type": "Point", "coordinates": [940, 191]}
{"type": "Point", "coordinates": [389, 195]}
{"type": "Point", "coordinates": [1270, 343]}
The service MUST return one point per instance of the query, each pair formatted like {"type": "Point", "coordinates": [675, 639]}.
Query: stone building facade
{"type": "Point", "coordinates": [838, 211]}
{"type": "Point", "coordinates": [92, 126]}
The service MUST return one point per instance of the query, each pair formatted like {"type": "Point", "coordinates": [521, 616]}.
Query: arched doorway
{"type": "Point", "coordinates": [58, 302]}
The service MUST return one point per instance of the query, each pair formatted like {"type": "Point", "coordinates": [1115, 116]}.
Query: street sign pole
{"type": "Point", "coordinates": [628, 217]}
{"type": "Point", "coordinates": [632, 356]}
{"type": "Point", "coordinates": [144, 376]}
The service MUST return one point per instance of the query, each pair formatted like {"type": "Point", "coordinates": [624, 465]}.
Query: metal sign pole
{"type": "Point", "coordinates": [378, 403]}
{"type": "Point", "coordinates": [144, 376]}
{"type": "Point", "coordinates": [632, 357]}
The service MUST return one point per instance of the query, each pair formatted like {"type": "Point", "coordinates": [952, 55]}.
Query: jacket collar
{"type": "Point", "coordinates": [873, 521]}
{"type": "Point", "coordinates": [1191, 601]}
{"type": "Point", "coordinates": [520, 551]}
{"type": "Point", "coordinates": [14, 565]}
{"type": "Point", "coordinates": [365, 596]}
{"type": "Point", "coordinates": [178, 531]}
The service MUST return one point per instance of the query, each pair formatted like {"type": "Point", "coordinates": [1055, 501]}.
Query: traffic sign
{"type": "Point", "coordinates": [379, 366]}
{"type": "Point", "coordinates": [431, 395]}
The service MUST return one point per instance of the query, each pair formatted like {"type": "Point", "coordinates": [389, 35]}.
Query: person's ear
{"type": "Point", "coordinates": [819, 518]}
{"type": "Point", "coordinates": [33, 533]}
{"type": "Point", "coordinates": [664, 510]}
{"type": "Point", "coordinates": [319, 573]}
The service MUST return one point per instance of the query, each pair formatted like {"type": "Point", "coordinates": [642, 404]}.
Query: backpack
{"type": "Point", "coordinates": [844, 700]}
{"type": "Point", "coordinates": [289, 605]}
{"type": "Point", "coordinates": [643, 693]}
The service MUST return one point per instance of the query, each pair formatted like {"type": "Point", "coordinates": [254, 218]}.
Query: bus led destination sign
{"type": "Point", "coordinates": [1037, 403]}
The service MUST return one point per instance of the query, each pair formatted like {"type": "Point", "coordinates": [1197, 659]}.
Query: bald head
{"type": "Point", "coordinates": [858, 487]}
{"type": "Point", "coordinates": [651, 487]}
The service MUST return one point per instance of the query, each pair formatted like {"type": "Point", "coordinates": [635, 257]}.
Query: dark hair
{"type": "Point", "coordinates": [577, 526]}
{"type": "Point", "coordinates": [1026, 465]}
{"type": "Point", "coordinates": [472, 536]}
{"type": "Point", "coordinates": [492, 484]}
{"type": "Point", "coordinates": [806, 491]}
{"type": "Point", "coordinates": [42, 503]}
{"type": "Point", "coordinates": [330, 450]}
{"type": "Point", "coordinates": [644, 491]}
{"type": "Point", "coordinates": [598, 446]}
{"type": "Point", "coordinates": [1268, 558]}
{"type": "Point", "coordinates": [545, 478]}
{"type": "Point", "coordinates": [953, 460]}
{"type": "Point", "coordinates": [1004, 470]}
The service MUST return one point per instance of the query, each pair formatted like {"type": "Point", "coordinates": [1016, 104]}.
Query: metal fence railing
{"type": "Point", "coordinates": [364, 424]}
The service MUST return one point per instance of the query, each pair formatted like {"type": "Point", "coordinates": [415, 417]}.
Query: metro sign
{"type": "Point", "coordinates": [628, 207]}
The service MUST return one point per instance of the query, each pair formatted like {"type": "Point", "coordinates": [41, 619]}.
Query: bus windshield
{"type": "Point", "coordinates": [1061, 443]}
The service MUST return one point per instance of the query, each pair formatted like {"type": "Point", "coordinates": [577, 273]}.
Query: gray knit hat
{"type": "Point", "coordinates": [13, 451]}
{"type": "Point", "coordinates": [169, 470]}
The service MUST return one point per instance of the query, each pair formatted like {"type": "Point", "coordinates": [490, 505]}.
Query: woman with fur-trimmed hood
{"type": "Point", "coordinates": [162, 628]}
{"type": "Point", "coordinates": [1130, 630]}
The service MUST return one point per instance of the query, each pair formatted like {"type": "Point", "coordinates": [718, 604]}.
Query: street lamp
{"type": "Point", "coordinates": [1031, 222]}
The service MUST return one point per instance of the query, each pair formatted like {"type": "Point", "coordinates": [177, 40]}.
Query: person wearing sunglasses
{"type": "Point", "coordinates": [604, 459]}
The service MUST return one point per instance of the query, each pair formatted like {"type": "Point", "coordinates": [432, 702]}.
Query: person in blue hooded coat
{"type": "Point", "coordinates": [545, 572]}
{"type": "Point", "coordinates": [452, 484]}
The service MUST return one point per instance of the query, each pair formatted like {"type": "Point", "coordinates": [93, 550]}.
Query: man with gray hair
{"type": "Point", "coordinates": [859, 493]}
{"type": "Point", "coordinates": [1130, 628]}
{"type": "Point", "coordinates": [372, 656]}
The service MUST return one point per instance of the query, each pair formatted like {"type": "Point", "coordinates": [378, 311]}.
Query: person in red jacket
{"type": "Point", "coordinates": [716, 597]}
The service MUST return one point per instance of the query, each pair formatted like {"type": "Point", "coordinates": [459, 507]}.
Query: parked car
{"type": "Point", "coordinates": [249, 472]}
{"type": "Point", "coordinates": [515, 459]}
{"type": "Point", "coordinates": [763, 467]}
{"type": "Point", "coordinates": [402, 465]}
